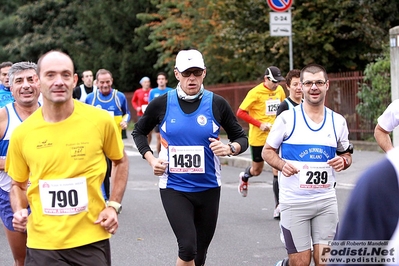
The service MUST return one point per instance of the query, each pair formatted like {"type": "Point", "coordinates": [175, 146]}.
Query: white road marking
{"type": "Point", "coordinates": [132, 153]}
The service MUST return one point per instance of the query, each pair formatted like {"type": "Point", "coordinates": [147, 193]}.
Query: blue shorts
{"type": "Point", "coordinates": [6, 213]}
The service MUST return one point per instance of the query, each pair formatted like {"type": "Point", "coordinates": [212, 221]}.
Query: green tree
{"type": "Point", "coordinates": [7, 26]}
{"type": "Point", "coordinates": [178, 25]}
{"type": "Point", "coordinates": [228, 33]}
{"type": "Point", "coordinates": [97, 34]}
{"type": "Point", "coordinates": [111, 42]}
{"type": "Point", "coordinates": [234, 35]}
{"type": "Point", "coordinates": [375, 92]}
{"type": "Point", "coordinates": [344, 35]}
{"type": "Point", "coordinates": [243, 47]}
{"type": "Point", "coordinates": [139, 38]}
{"type": "Point", "coordinates": [42, 26]}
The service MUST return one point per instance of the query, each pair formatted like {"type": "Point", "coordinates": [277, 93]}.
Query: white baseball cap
{"type": "Point", "coordinates": [144, 79]}
{"type": "Point", "coordinates": [186, 59]}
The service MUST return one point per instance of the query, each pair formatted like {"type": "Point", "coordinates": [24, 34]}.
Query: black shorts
{"type": "Point", "coordinates": [156, 129]}
{"type": "Point", "coordinates": [94, 254]}
{"type": "Point", "coordinates": [256, 152]}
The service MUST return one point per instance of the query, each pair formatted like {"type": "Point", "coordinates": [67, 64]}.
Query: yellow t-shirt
{"type": "Point", "coordinates": [65, 163]}
{"type": "Point", "coordinates": [261, 104]}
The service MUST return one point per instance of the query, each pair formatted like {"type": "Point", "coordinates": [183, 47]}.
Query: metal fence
{"type": "Point", "coordinates": [341, 97]}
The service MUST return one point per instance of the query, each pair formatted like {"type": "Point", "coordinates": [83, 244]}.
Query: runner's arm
{"type": "Point", "coordinates": [18, 198]}
{"type": "Point", "coordinates": [153, 116]}
{"type": "Point", "coordinates": [119, 176]}
{"type": "Point", "coordinates": [383, 139]}
{"type": "Point", "coordinates": [225, 116]}
{"type": "Point", "coordinates": [247, 118]}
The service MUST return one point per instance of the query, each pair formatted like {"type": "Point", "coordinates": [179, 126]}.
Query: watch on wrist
{"type": "Point", "coordinates": [232, 149]}
{"type": "Point", "coordinates": [117, 206]}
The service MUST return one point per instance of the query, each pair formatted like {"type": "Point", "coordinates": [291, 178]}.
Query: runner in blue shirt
{"type": "Point", "coordinates": [115, 103]}
{"type": "Point", "coordinates": [188, 166]}
{"type": "Point", "coordinates": [5, 93]}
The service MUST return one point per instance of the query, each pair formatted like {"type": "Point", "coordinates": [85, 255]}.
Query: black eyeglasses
{"type": "Point", "coordinates": [197, 73]}
{"type": "Point", "coordinates": [318, 83]}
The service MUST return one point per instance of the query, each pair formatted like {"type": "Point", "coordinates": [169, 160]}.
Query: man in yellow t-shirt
{"type": "Point", "coordinates": [61, 149]}
{"type": "Point", "coordinates": [259, 109]}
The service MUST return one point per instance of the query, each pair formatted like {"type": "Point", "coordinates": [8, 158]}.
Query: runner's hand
{"type": "Point", "coordinates": [20, 220]}
{"type": "Point", "coordinates": [108, 219]}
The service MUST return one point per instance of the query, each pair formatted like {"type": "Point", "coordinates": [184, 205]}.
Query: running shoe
{"type": "Point", "coordinates": [276, 213]}
{"type": "Point", "coordinates": [242, 186]}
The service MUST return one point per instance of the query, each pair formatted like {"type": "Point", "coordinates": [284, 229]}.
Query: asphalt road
{"type": "Point", "coordinates": [246, 233]}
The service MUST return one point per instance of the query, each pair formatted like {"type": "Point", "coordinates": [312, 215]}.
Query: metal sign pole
{"type": "Point", "coordinates": [281, 25]}
{"type": "Point", "coordinates": [290, 45]}
{"type": "Point", "coordinates": [394, 58]}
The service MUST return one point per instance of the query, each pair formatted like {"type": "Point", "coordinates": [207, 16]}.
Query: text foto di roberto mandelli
{"type": "Point", "coordinates": [359, 251]}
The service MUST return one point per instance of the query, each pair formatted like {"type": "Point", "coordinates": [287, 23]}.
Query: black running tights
{"type": "Point", "coordinates": [193, 217]}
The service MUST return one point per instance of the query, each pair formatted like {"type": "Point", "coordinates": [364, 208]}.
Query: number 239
{"type": "Point", "coordinates": [317, 177]}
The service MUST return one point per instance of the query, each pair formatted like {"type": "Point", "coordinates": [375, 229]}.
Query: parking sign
{"type": "Point", "coordinates": [279, 5]}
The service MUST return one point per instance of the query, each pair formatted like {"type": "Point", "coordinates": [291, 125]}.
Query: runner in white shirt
{"type": "Point", "coordinates": [313, 143]}
{"type": "Point", "coordinates": [386, 124]}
